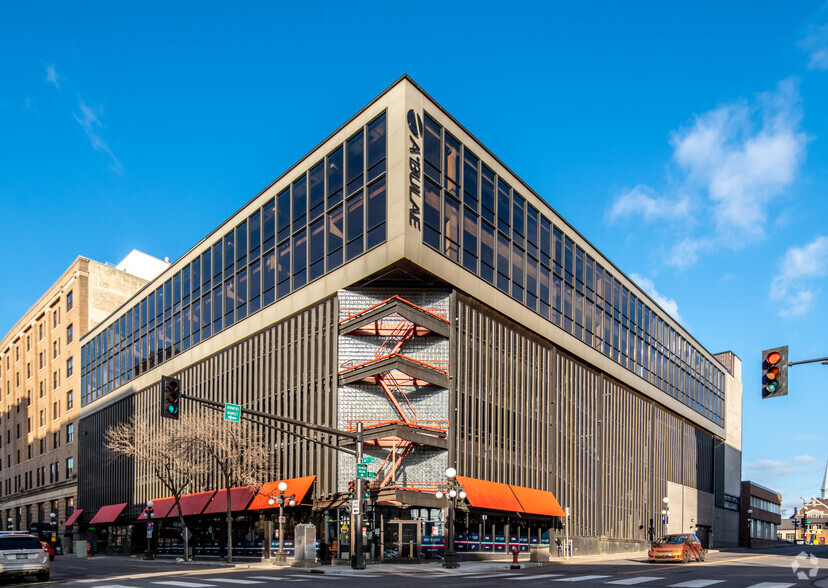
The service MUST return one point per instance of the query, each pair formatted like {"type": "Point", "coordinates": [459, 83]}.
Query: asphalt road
{"type": "Point", "coordinates": [783, 567]}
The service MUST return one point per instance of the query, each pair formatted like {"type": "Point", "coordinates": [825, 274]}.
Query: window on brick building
{"type": "Point", "coordinates": [69, 334]}
{"type": "Point", "coordinates": [69, 366]}
{"type": "Point", "coordinates": [69, 300]}
{"type": "Point", "coordinates": [70, 400]}
{"type": "Point", "coordinates": [70, 432]}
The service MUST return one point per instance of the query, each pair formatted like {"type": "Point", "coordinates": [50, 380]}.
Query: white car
{"type": "Point", "coordinates": [23, 555]}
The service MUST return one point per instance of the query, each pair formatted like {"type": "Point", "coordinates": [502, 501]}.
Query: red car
{"type": "Point", "coordinates": [681, 548]}
{"type": "Point", "coordinates": [48, 549]}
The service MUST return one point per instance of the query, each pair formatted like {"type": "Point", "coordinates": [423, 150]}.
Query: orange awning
{"type": "Point", "coordinates": [107, 514]}
{"type": "Point", "coordinates": [496, 496]}
{"type": "Point", "coordinates": [296, 487]}
{"type": "Point", "coordinates": [538, 502]}
{"type": "Point", "coordinates": [489, 495]}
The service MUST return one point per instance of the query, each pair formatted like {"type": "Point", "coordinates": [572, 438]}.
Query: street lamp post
{"type": "Point", "coordinates": [454, 492]}
{"type": "Point", "coordinates": [149, 553]}
{"type": "Point", "coordinates": [749, 528]}
{"type": "Point", "coordinates": [281, 556]}
{"type": "Point", "coordinates": [665, 516]}
{"type": "Point", "coordinates": [53, 524]}
{"type": "Point", "coordinates": [11, 522]}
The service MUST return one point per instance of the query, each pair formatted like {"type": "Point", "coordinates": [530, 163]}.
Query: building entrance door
{"type": "Point", "coordinates": [401, 540]}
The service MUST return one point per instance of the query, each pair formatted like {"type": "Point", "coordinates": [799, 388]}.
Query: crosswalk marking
{"type": "Point", "coordinates": [490, 575]}
{"type": "Point", "coordinates": [636, 580]}
{"type": "Point", "coordinates": [231, 581]}
{"type": "Point", "coordinates": [696, 583]}
{"type": "Point", "coordinates": [535, 577]}
{"type": "Point", "coordinates": [771, 585]}
{"type": "Point", "coordinates": [580, 578]}
{"type": "Point", "coordinates": [278, 578]}
{"type": "Point", "coordinates": [183, 584]}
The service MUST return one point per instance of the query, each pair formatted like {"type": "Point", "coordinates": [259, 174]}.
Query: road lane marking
{"type": "Point", "coordinates": [638, 580]}
{"type": "Point", "coordinates": [535, 577]}
{"type": "Point", "coordinates": [278, 578]}
{"type": "Point", "coordinates": [231, 581]}
{"type": "Point", "coordinates": [664, 566]}
{"type": "Point", "coordinates": [580, 578]}
{"type": "Point", "coordinates": [696, 583]}
{"type": "Point", "coordinates": [771, 585]}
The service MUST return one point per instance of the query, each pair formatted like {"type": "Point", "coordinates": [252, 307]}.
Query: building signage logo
{"type": "Point", "coordinates": [415, 182]}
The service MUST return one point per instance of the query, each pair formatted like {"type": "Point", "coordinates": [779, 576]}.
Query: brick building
{"type": "Point", "coordinates": [40, 368]}
{"type": "Point", "coordinates": [760, 514]}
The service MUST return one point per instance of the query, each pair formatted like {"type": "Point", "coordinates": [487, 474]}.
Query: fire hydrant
{"type": "Point", "coordinates": [515, 565]}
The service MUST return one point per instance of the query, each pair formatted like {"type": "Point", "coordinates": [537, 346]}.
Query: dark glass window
{"type": "Point", "coordinates": [432, 149]}
{"type": "Point", "coordinates": [487, 251]}
{"type": "Point", "coordinates": [316, 197]}
{"type": "Point", "coordinates": [283, 214]}
{"type": "Point", "coordinates": [300, 203]}
{"type": "Point", "coordinates": [316, 262]}
{"type": "Point", "coordinates": [335, 233]}
{"type": "Point", "coordinates": [557, 241]}
{"type": "Point", "coordinates": [229, 253]}
{"type": "Point", "coordinates": [335, 177]}
{"type": "Point", "coordinates": [531, 230]}
{"type": "Point", "coordinates": [518, 218]}
{"type": "Point", "coordinates": [545, 243]}
{"type": "Point", "coordinates": [469, 240]}
{"type": "Point", "coordinates": [376, 213]}
{"type": "Point", "coordinates": [518, 258]}
{"type": "Point", "coordinates": [451, 224]}
{"type": "Point", "coordinates": [217, 264]}
{"type": "Point", "coordinates": [206, 268]}
{"type": "Point", "coordinates": [241, 245]}
{"type": "Point", "coordinates": [300, 259]}
{"type": "Point", "coordinates": [452, 165]}
{"type": "Point", "coordinates": [268, 224]}
{"type": "Point", "coordinates": [354, 225]}
{"type": "Point", "coordinates": [269, 278]}
{"type": "Point", "coordinates": [283, 270]}
{"type": "Point", "coordinates": [256, 285]}
{"type": "Point", "coordinates": [355, 153]}
{"type": "Point", "coordinates": [167, 295]}
{"type": "Point", "coordinates": [487, 194]}
{"type": "Point", "coordinates": [503, 263]}
{"type": "Point", "coordinates": [255, 233]}
{"type": "Point", "coordinates": [431, 215]}
{"type": "Point", "coordinates": [470, 170]}
{"type": "Point", "coordinates": [185, 285]}
{"type": "Point", "coordinates": [176, 292]}
{"type": "Point", "coordinates": [504, 206]}
{"type": "Point", "coordinates": [376, 147]}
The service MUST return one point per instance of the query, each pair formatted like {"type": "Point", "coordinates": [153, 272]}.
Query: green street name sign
{"type": "Point", "coordinates": [361, 470]}
{"type": "Point", "coordinates": [232, 412]}
{"type": "Point", "coordinates": [368, 459]}
{"type": "Point", "coordinates": [371, 475]}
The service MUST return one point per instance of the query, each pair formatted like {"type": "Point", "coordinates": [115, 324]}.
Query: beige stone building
{"type": "Point", "coordinates": [40, 378]}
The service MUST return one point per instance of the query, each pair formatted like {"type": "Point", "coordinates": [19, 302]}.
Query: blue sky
{"type": "Point", "coordinates": [689, 143]}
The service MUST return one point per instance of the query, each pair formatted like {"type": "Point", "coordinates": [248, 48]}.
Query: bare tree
{"type": "Point", "coordinates": [240, 455]}
{"type": "Point", "coordinates": [169, 450]}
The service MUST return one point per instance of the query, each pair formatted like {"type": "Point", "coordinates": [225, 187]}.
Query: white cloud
{"type": "Point", "coordinates": [642, 201]}
{"type": "Point", "coordinates": [769, 468]}
{"type": "Point", "coordinates": [733, 162]}
{"type": "Point", "coordinates": [816, 46]}
{"type": "Point", "coordinates": [805, 459]}
{"type": "Point", "coordinates": [52, 76]}
{"type": "Point", "coordinates": [90, 122]}
{"type": "Point", "coordinates": [794, 285]}
{"type": "Point", "coordinates": [668, 304]}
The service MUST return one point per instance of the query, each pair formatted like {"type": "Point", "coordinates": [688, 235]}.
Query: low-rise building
{"type": "Point", "coordinates": [761, 515]}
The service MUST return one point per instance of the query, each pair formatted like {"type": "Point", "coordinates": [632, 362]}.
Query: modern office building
{"type": "Point", "coordinates": [402, 276]}
{"type": "Point", "coordinates": [40, 377]}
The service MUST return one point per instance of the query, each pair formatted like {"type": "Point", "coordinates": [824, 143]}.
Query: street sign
{"type": "Point", "coordinates": [283, 519]}
{"type": "Point", "coordinates": [355, 507]}
{"type": "Point", "coordinates": [232, 412]}
{"type": "Point", "coordinates": [186, 534]}
{"type": "Point", "coordinates": [361, 470]}
{"type": "Point", "coordinates": [368, 459]}
{"type": "Point", "coordinates": [371, 475]}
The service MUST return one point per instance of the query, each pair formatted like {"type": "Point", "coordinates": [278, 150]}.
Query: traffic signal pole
{"type": "Point", "coordinates": [358, 558]}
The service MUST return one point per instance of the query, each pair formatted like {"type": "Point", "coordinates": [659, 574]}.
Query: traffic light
{"type": "Point", "coordinates": [171, 397]}
{"type": "Point", "coordinates": [775, 372]}
{"type": "Point", "coordinates": [351, 489]}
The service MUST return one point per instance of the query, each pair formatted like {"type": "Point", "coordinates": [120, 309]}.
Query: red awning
{"type": "Point", "coordinates": [239, 499]}
{"type": "Point", "coordinates": [296, 487]}
{"type": "Point", "coordinates": [73, 517]}
{"type": "Point", "coordinates": [192, 504]}
{"type": "Point", "coordinates": [160, 508]}
{"type": "Point", "coordinates": [107, 514]}
{"type": "Point", "coordinates": [495, 496]}
{"type": "Point", "coordinates": [538, 502]}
